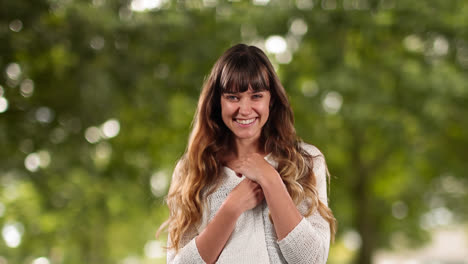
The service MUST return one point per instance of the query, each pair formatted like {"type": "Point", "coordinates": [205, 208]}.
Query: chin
{"type": "Point", "coordinates": [244, 136]}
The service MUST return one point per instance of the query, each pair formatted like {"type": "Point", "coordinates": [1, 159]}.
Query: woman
{"type": "Point", "coordinates": [247, 190]}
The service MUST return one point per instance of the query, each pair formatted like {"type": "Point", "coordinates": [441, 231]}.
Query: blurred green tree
{"type": "Point", "coordinates": [98, 97]}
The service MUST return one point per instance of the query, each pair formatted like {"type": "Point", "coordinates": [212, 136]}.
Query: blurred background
{"type": "Point", "coordinates": [97, 99]}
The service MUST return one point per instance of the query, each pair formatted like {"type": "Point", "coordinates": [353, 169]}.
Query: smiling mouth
{"type": "Point", "coordinates": [245, 121]}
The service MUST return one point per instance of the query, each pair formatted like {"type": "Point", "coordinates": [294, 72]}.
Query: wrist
{"type": "Point", "coordinates": [232, 208]}
{"type": "Point", "coordinates": [270, 179]}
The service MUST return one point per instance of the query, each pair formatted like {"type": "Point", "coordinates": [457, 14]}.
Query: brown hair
{"type": "Point", "coordinates": [241, 67]}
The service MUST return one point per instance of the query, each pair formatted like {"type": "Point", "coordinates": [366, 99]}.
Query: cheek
{"type": "Point", "coordinates": [226, 111]}
{"type": "Point", "coordinates": [223, 106]}
{"type": "Point", "coordinates": [265, 110]}
{"type": "Point", "coordinates": [266, 106]}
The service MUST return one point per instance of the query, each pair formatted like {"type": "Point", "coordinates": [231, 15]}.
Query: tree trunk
{"type": "Point", "coordinates": [363, 218]}
{"type": "Point", "coordinates": [364, 221]}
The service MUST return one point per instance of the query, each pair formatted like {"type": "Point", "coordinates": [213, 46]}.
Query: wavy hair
{"type": "Point", "coordinates": [197, 173]}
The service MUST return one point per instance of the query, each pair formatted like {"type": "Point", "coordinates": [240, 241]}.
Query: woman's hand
{"type": "Point", "coordinates": [253, 167]}
{"type": "Point", "coordinates": [245, 196]}
{"type": "Point", "coordinates": [211, 241]}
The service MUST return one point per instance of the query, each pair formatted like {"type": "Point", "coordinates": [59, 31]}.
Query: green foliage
{"type": "Point", "coordinates": [378, 86]}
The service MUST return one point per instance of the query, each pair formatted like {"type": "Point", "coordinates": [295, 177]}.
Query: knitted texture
{"type": "Point", "coordinates": [254, 238]}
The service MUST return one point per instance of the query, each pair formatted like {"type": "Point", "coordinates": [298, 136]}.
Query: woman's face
{"type": "Point", "coordinates": [245, 113]}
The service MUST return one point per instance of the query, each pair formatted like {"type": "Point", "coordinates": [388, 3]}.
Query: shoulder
{"type": "Point", "coordinates": [311, 150]}
{"type": "Point", "coordinates": [178, 170]}
{"type": "Point", "coordinates": [318, 159]}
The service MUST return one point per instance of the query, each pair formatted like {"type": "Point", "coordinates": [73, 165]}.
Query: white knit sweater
{"type": "Point", "coordinates": [254, 238]}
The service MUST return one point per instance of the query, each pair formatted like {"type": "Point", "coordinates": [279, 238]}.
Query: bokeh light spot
{"type": "Point", "coordinates": [284, 57]}
{"type": "Point", "coordinates": [41, 260]}
{"type": "Point", "coordinates": [413, 43]}
{"type": "Point", "coordinates": [97, 43]}
{"type": "Point", "coordinates": [440, 46]}
{"type": "Point", "coordinates": [309, 88]}
{"type": "Point", "coordinates": [16, 25]}
{"type": "Point", "coordinates": [440, 216]}
{"type": "Point", "coordinates": [93, 134]}
{"type": "Point", "coordinates": [12, 233]}
{"type": "Point", "coordinates": [210, 3]}
{"type": "Point", "coordinates": [153, 249]}
{"type": "Point", "coordinates": [44, 115]}
{"type": "Point", "coordinates": [32, 162]}
{"type": "Point", "coordinates": [298, 27]}
{"type": "Point", "coordinates": [131, 260]}
{"type": "Point", "coordinates": [159, 183]}
{"type": "Point", "coordinates": [44, 158]}
{"type": "Point", "coordinates": [304, 4]}
{"type": "Point", "coordinates": [27, 88]}
{"type": "Point", "coordinates": [35, 160]}
{"type": "Point", "coordinates": [144, 5]}
{"type": "Point", "coordinates": [261, 2]}
{"type": "Point", "coordinates": [332, 102]}
{"type": "Point", "coordinates": [3, 104]}
{"type": "Point", "coordinates": [98, 3]}
{"type": "Point", "coordinates": [453, 185]}
{"type": "Point", "coordinates": [111, 128]}
{"type": "Point", "coordinates": [399, 210]}
{"type": "Point", "coordinates": [13, 71]}
{"type": "Point", "coordinates": [352, 240]}
{"type": "Point", "coordinates": [275, 44]}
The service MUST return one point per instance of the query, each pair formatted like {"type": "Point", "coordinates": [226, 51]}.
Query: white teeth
{"type": "Point", "coordinates": [245, 122]}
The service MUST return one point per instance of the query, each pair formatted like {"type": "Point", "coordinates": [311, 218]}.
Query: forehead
{"type": "Point", "coordinates": [242, 76]}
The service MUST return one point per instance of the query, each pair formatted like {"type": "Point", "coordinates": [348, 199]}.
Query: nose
{"type": "Point", "coordinates": [245, 107]}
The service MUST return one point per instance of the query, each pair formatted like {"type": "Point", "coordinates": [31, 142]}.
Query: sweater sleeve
{"type": "Point", "coordinates": [187, 254]}
{"type": "Point", "coordinates": [309, 241]}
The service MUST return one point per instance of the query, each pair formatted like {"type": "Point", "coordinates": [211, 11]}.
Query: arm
{"type": "Point", "coordinates": [283, 211]}
{"type": "Point", "coordinates": [208, 245]}
{"type": "Point", "coordinates": [187, 254]}
{"type": "Point", "coordinates": [213, 238]}
{"type": "Point", "coordinates": [245, 196]}
{"type": "Point", "coordinates": [309, 241]}
{"type": "Point", "coordinates": [301, 240]}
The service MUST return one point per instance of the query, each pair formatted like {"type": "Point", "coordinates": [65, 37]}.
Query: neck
{"type": "Point", "coordinates": [247, 146]}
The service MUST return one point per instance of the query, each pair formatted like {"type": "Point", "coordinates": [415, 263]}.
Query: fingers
{"type": "Point", "coordinates": [236, 164]}
{"type": "Point", "coordinates": [248, 193]}
{"type": "Point", "coordinates": [259, 193]}
{"type": "Point", "coordinates": [254, 186]}
{"type": "Point", "coordinates": [251, 183]}
{"type": "Point", "coordinates": [259, 196]}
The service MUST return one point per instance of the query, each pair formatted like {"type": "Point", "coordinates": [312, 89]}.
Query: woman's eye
{"type": "Point", "coordinates": [257, 96]}
{"type": "Point", "coordinates": [231, 97]}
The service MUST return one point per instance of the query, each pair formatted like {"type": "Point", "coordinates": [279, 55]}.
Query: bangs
{"type": "Point", "coordinates": [242, 73]}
